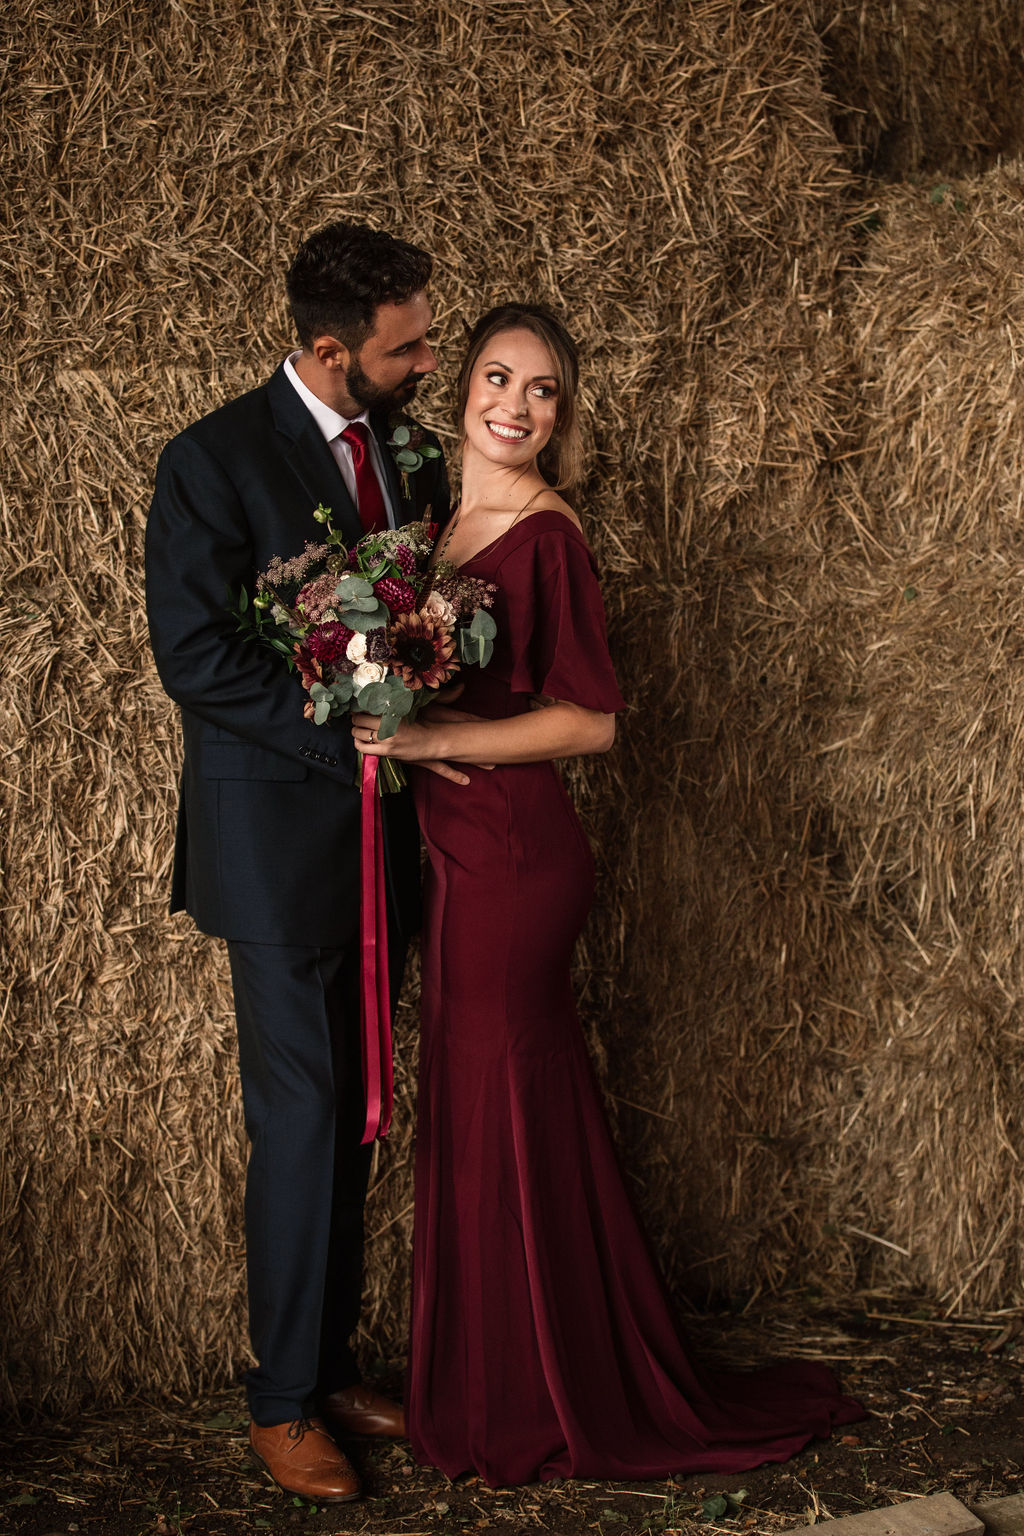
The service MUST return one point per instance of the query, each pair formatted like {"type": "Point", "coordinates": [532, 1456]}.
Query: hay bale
{"type": "Point", "coordinates": [925, 772]}
{"type": "Point", "coordinates": [930, 87]}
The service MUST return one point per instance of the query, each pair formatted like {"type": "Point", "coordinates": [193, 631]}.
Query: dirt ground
{"type": "Point", "coordinates": [946, 1415]}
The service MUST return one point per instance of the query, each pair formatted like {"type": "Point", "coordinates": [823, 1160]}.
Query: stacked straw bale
{"type": "Point", "coordinates": [794, 929]}
{"type": "Point", "coordinates": [925, 85]}
{"type": "Point", "coordinates": [925, 769]}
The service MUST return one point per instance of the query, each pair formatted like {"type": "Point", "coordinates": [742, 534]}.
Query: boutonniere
{"type": "Point", "coordinates": [409, 448]}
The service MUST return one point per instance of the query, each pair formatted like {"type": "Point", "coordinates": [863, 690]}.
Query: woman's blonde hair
{"type": "Point", "coordinates": [561, 459]}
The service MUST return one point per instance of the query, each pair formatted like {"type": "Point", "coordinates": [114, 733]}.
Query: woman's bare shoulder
{"type": "Point", "coordinates": [550, 501]}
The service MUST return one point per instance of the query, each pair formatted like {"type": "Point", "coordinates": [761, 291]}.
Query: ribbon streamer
{"type": "Point", "coordinates": [375, 991]}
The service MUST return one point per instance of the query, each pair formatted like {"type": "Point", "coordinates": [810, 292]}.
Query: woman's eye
{"type": "Point", "coordinates": [496, 378]}
{"type": "Point", "coordinates": [546, 391]}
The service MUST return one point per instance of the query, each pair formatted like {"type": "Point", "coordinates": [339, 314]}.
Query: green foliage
{"type": "Point", "coordinates": [475, 642]}
{"type": "Point", "coordinates": [722, 1506]}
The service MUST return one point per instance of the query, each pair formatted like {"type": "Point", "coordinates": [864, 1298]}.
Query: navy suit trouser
{"type": "Point", "coordinates": [297, 1009]}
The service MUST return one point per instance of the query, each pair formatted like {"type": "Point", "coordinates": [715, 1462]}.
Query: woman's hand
{"type": "Point", "coordinates": [411, 741]}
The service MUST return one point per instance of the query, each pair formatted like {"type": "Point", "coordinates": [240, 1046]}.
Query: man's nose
{"type": "Point", "coordinates": [426, 362]}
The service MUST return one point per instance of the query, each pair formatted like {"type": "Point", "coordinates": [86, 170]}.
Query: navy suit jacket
{"type": "Point", "coordinates": [268, 826]}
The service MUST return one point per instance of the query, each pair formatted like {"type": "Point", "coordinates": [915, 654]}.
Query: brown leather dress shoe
{"type": "Point", "coordinates": [302, 1458]}
{"type": "Point", "coordinates": [359, 1410]}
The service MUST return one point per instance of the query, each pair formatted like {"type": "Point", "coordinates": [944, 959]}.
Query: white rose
{"type": "Point", "coordinates": [439, 607]}
{"type": "Point", "coordinates": [356, 648]}
{"type": "Point", "coordinates": [369, 672]}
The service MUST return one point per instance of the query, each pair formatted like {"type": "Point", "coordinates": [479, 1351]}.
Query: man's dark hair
{"type": "Point", "coordinates": [341, 274]}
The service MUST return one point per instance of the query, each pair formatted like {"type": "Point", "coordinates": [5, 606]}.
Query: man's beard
{"type": "Point", "coordinates": [371, 396]}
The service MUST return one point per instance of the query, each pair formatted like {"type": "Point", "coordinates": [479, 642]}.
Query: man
{"type": "Point", "coordinates": [267, 853]}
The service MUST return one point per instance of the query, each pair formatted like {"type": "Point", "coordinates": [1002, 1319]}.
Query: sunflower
{"type": "Point", "coordinates": [421, 650]}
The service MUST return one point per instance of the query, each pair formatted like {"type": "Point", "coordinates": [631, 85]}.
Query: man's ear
{"type": "Point", "coordinates": [331, 354]}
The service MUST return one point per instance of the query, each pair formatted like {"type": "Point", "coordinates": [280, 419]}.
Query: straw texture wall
{"type": "Point", "coordinates": [801, 979]}
{"type": "Point", "coordinates": [918, 86]}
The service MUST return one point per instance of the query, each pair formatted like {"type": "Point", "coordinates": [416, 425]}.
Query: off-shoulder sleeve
{"type": "Point", "coordinates": [555, 615]}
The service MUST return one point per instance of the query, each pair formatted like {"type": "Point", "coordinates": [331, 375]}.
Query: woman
{"type": "Point", "coordinates": [542, 1343]}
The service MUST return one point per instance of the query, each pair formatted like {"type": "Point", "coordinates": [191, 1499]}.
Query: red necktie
{"type": "Point", "coordinates": [373, 513]}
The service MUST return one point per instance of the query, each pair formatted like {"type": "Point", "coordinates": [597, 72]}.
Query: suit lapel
{"type": "Point", "coordinates": [310, 459]}
{"type": "Point", "coordinates": [404, 511]}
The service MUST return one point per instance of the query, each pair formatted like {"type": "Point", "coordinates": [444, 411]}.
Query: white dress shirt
{"type": "Point", "coordinates": [332, 425]}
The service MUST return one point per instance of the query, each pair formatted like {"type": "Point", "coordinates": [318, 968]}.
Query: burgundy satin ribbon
{"type": "Point", "coordinates": [375, 991]}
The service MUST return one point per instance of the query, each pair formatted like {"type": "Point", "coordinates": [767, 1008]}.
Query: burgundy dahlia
{"type": "Point", "coordinates": [397, 596]}
{"type": "Point", "coordinates": [405, 560]}
{"type": "Point", "coordinates": [327, 645]}
{"type": "Point", "coordinates": [421, 651]}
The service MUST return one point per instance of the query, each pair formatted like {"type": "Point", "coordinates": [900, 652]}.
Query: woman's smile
{"type": "Point", "coordinates": [510, 434]}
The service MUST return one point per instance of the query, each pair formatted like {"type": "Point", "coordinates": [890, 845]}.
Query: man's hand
{"type": "Point", "coordinates": [445, 771]}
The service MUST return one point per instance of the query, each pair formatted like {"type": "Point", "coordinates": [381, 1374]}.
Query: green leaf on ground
{"type": "Point", "coordinates": [225, 1420]}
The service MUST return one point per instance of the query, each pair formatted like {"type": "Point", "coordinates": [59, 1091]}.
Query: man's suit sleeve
{"type": "Point", "coordinates": [198, 556]}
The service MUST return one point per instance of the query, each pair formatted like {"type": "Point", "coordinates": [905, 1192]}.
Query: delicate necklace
{"type": "Point", "coordinates": [455, 523]}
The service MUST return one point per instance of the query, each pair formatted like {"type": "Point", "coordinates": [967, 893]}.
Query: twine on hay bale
{"type": "Point", "coordinates": [670, 178]}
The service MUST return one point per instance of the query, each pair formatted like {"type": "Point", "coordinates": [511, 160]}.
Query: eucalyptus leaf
{"type": "Point", "coordinates": [408, 458]}
{"type": "Point", "coordinates": [483, 626]}
{"type": "Point", "coordinates": [401, 700]}
{"type": "Point", "coordinates": [373, 699]}
{"type": "Point", "coordinates": [352, 586]}
{"type": "Point", "coordinates": [319, 691]}
{"type": "Point", "coordinates": [342, 690]}
{"type": "Point", "coordinates": [400, 436]}
{"type": "Point", "coordinates": [322, 712]}
{"type": "Point", "coordinates": [486, 651]}
{"type": "Point", "coordinates": [363, 622]}
{"type": "Point", "coordinates": [389, 723]}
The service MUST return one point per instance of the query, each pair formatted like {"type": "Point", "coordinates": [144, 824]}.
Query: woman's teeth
{"type": "Point", "coordinates": [510, 434]}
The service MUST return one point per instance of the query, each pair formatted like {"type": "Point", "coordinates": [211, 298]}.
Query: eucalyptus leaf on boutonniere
{"type": "Point", "coordinates": [409, 448]}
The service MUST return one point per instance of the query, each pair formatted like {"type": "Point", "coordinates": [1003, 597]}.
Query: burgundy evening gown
{"type": "Point", "coordinates": [543, 1344]}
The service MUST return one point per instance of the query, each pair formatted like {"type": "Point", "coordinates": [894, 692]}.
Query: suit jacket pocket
{"type": "Point", "coordinates": [244, 760]}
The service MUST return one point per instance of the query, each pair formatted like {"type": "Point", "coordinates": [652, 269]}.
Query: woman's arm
{"type": "Point", "coordinates": [558, 730]}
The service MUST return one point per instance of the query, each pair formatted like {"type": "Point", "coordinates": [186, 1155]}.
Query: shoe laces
{"type": "Point", "coordinates": [298, 1427]}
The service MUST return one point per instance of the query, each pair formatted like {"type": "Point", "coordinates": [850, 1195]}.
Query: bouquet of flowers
{"type": "Point", "coordinates": [373, 628]}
